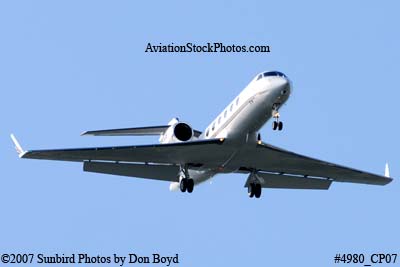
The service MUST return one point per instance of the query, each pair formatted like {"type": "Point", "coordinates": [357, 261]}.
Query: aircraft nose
{"type": "Point", "coordinates": [287, 89]}
{"type": "Point", "coordinates": [283, 85]}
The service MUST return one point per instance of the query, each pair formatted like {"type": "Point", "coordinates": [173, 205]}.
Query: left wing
{"type": "Point", "coordinates": [267, 158]}
{"type": "Point", "coordinates": [196, 152]}
{"type": "Point", "coordinates": [163, 172]}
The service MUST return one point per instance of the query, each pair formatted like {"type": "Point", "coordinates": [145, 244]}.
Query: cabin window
{"type": "Point", "coordinates": [226, 112]}
{"type": "Point", "coordinates": [213, 127]}
{"type": "Point", "coordinates": [237, 101]}
{"type": "Point", "coordinates": [207, 132]}
{"type": "Point", "coordinates": [231, 107]}
{"type": "Point", "coordinates": [219, 120]}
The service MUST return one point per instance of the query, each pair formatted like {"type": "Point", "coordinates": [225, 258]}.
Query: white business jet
{"type": "Point", "coordinates": [231, 143]}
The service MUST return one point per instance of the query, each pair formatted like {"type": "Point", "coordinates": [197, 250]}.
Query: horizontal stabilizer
{"type": "Point", "coordinates": [269, 180]}
{"type": "Point", "coordinates": [138, 131]}
{"type": "Point", "coordinates": [152, 130]}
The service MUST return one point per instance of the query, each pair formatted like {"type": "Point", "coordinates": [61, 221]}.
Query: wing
{"type": "Point", "coordinates": [152, 130]}
{"type": "Point", "coordinates": [269, 180]}
{"type": "Point", "coordinates": [267, 158]}
{"type": "Point", "coordinates": [149, 171]}
{"type": "Point", "coordinates": [159, 162]}
{"type": "Point", "coordinates": [197, 152]}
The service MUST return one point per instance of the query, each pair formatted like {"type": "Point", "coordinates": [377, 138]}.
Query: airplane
{"type": "Point", "coordinates": [231, 143]}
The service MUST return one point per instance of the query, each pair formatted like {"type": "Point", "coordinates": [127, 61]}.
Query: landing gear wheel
{"type": "Point", "coordinates": [274, 125]}
{"type": "Point", "coordinates": [257, 190]}
{"type": "Point", "coordinates": [189, 185]}
{"type": "Point", "coordinates": [280, 126]}
{"type": "Point", "coordinates": [183, 185]}
{"type": "Point", "coordinates": [250, 190]}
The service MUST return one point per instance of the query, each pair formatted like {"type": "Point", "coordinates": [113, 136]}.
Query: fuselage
{"type": "Point", "coordinates": [251, 109]}
{"type": "Point", "coordinates": [238, 124]}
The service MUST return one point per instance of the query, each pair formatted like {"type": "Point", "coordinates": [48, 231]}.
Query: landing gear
{"type": "Point", "coordinates": [183, 185]}
{"type": "Point", "coordinates": [254, 187]}
{"type": "Point", "coordinates": [189, 185]}
{"type": "Point", "coordinates": [186, 183]}
{"type": "Point", "coordinates": [276, 124]}
{"type": "Point", "coordinates": [254, 190]}
{"type": "Point", "coordinates": [250, 190]}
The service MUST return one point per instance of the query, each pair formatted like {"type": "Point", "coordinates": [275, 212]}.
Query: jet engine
{"type": "Point", "coordinates": [183, 132]}
{"type": "Point", "coordinates": [177, 132]}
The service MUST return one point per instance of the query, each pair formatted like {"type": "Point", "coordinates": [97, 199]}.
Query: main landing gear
{"type": "Point", "coordinates": [254, 187]}
{"type": "Point", "coordinates": [185, 182]}
{"type": "Point", "coordinates": [276, 124]}
{"type": "Point", "coordinates": [254, 190]}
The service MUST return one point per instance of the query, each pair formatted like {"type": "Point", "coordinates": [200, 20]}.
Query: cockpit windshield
{"type": "Point", "coordinates": [271, 73]}
{"type": "Point", "coordinates": [274, 73]}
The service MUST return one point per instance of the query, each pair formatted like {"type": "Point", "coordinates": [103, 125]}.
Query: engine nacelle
{"type": "Point", "coordinates": [183, 132]}
{"type": "Point", "coordinates": [177, 132]}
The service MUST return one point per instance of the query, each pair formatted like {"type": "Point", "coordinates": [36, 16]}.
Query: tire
{"type": "Point", "coordinates": [190, 185]}
{"type": "Point", "coordinates": [183, 185]}
{"type": "Point", "coordinates": [274, 125]}
{"type": "Point", "coordinates": [250, 190]}
{"type": "Point", "coordinates": [257, 191]}
{"type": "Point", "coordinates": [280, 126]}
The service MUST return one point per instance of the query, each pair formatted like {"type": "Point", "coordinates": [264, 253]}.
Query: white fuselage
{"type": "Point", "coordinates": [241, 120]}
{"type": "Point", "coordinates": [250, 110]}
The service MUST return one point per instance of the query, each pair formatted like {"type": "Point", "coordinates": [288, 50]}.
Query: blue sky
{"type": "Point", "coordinates": [70, 66]}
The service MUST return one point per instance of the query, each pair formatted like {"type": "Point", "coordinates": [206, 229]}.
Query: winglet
{"type": "Point", "coordinates": [387, 173]}
{"type": "Point", "coordinates": [18, 147]}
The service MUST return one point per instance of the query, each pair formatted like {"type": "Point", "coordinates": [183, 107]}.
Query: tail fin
{"type": "Point", "coordinates": [387, 173]}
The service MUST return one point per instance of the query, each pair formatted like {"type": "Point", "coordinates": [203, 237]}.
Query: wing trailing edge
{"type": "Point", "coordinates": [271, 180]}
{"type": "Point", "coordinates": [147, 171]}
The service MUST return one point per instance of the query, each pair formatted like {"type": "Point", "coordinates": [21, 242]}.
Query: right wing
{"type": "Point", "coordinates": [269, 180]}
{"type": "Point", "coordinates": [289, 166]}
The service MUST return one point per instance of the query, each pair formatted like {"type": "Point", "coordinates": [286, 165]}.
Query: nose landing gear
{"type": "Point", "coordinates": [276, 124]}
